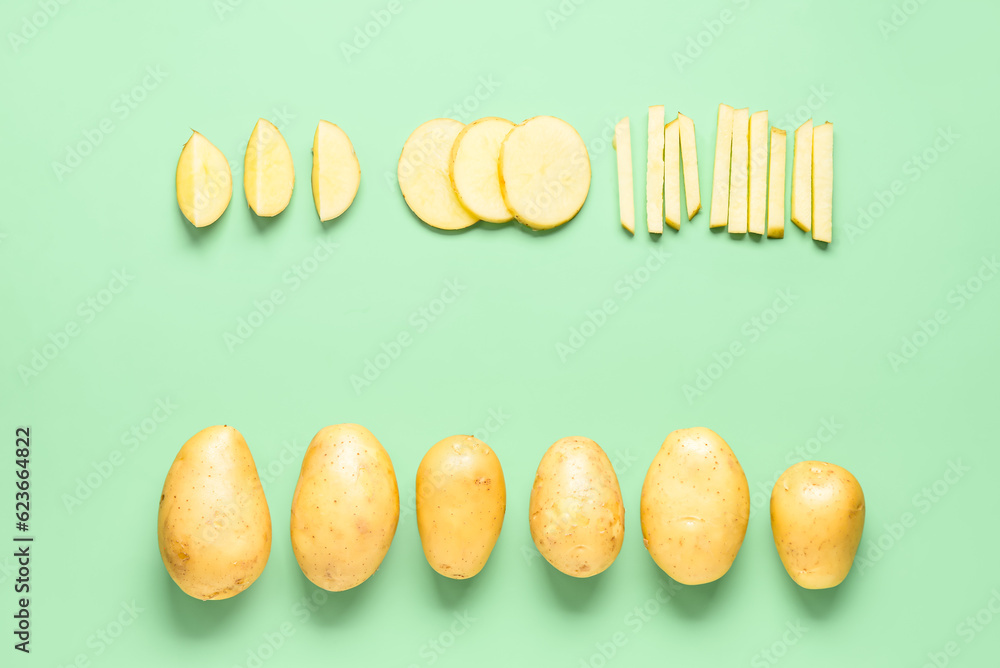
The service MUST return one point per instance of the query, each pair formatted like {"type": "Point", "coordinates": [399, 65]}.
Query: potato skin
{"type": "Point", "coordinates": [345, 508]}
{"type": "Point", "coordinates": [695, 506]}
{"type": "Point", "coordinates": [214, 526]}
{"type": "Point", "coordinates": [817, 517]}
{"type": "Point", "coordinates": [461, 501]}
{"type": "Point", "coordinates": [576, 513]}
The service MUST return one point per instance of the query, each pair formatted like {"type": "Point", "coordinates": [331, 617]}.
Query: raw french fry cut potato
{"type": "Point", "coordinates": [654, 171]}
{"type": "Point", "coordinates": [719, 214]}
{"type": "Point", "coordinates": [626, 196]}
{"type": "Point", "coordinates": [776, 186]}
{"type": "Point", "coordinates": [801, 213]}
{"type": "Point", "coordinates": [672, 175]}
{"type": "Point", "coordinates": [822, 182]}
{"type": "Point", "coordinates": [738, 177]}
{"type": "Point", "coordinates": [689, 157]}
{"type": "Point", "coordinates": [757, 202]}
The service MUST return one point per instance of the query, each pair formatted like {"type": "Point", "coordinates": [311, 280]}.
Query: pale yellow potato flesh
{"type": "Point", "coordinates": [776, 186]}
{"type": "Point", "coordinates": [345, 508]}
{"type": "Point", "coordinates": [626, 194]}
{"type": "Point", "coordinates": [757, 202]}
{"type": "Point", "coordinates": [801, 210]}
{"type": "Point", "coordinates": [689, 157]}
{"type": "Point", "coordinates": [822, 182]}
{"type": "Point", "coordinates": [204, 181]}
{"type": "Point", "coordinates": [817, 517]}
{"type": "Point", "coordinates": [214, 526]}
{"type": "Point", "coordinates": [739, 176]}
{"type": "Point", "coordinates": [654, 171]}
{"type": "Point", "coordinates": [424, 179]}
{"type": "Point", "coordinates": [544, 172]}
{"type": "Point", "coordinates": [268, 171]}
{"type": "Point", "coordinates": [461, 501]}
{"type": "Point", "coordinates": [695, 506]}
{"type": "Point", "coordinates": [336, 173]}
{"type": "Point", "coordinates": [719, 214]}
{"type": "Point", "coordinates": [474, 168]}
{"type": "Point", "coordinates": [576, 514]}
{"type": "Point", "coordinates": [672, 174]}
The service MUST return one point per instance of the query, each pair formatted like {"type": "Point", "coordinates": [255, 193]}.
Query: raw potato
{"type": "Point", "coordinates": [822, 182]}
{"type": "Point", "coordinates": [719, 215]}
{"type": "Point", "coordinates": [214, 527]}
{"type": "Point", "coordinates": [336, 173]}
{"type": "Point", "coordinates": [204, 182]}
{"type": "Point", "coordinates": [757, 203]}
{"type": "Point", "coordinates": [461, 500]}
{"type": "Point", "coordinates": [423, 175]}
{"type": "Point", "coordinates": [695, 506]}
{"type": "Point", "coordinates": [689, 156]}
{"type": "Point", "coordinates": [577, 517]}
{"type": "Point", "coordinates": [654, 171]}
{"type": "Point", "coordinates": [474, 168]}
{"type": "Point", "coordinates": [626, 195]}
{"type": "Point", "coordinates": [817, 516]}
{"type": "Point", "coordinates": [801, 212]}
{"type": "Point", "coordinates": [345, 508]}
{"type": "Point", "coordinates": [776, 186]}
{"type": "Point", "coordinates": [672, 174]}
{"type": "Point", "coordinates": [738, 179]}
{"type": "Point", "coordinates": [544, 172]}
{"type": "Point", "coordinates": [268, 172]}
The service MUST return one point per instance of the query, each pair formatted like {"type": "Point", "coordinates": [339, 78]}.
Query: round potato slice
{"type": "Point", "coordinates": [423, 175]}
{"type": "Point", "coordinates": [204, 182]}
{"type": "Point", "coordinates": [336, 174]}
{"type": "Point", "coordinates": [474, 168]}
{"type": "Point", "coordinates": [544, 172]}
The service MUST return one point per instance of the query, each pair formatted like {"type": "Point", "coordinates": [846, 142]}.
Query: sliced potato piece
{"type": "Point", "coordinates": [719, 215]}
{"type": "Point", "coordinates": [689, 156]}
{"type": "Point", "coordinates": [776, 186]}
{"type": "Point", "coordinates": [822, 182]}
{"type": "Point", "coordinates": [672, 174]}
{"type": "Point", "coordinates": [801, 213]}
{"type": "Point", "coordinates": [268, 171]}
{"type": "Point", "coordinates": [423, 175]}
{"type": "Point", "coordinates": [204, 182]}
{"type": "Point", "coordinates": [738, 177]}
{"type": "Point", "coordinates": [544, 172]}
{"type": "Point", "coordinates": [654, 171]}
{"type": "Point", "coordinates": [626, 193]}
{"type": "Point", "coordinates": [474, 168]}
{"type": "Point", "coordinates": [757, 202]}
{"type": "Point", "coordinates": [336, 173]}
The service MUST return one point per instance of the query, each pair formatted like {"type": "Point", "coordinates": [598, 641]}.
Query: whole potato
{"type": "Point", "coordinates": [695, 506]}
{"type": "Point", "coordinates": [214, 526]}
{"type": "Point", "coordinates": [577, 517]}
{"type": "Point", "coordinates": [461, 500]}
{"type": "Point", "coordinates": [817, 516]}
{"type": "Point", "coordinates": [345, 507]}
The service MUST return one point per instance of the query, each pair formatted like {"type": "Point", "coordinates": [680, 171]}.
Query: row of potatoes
{"type": "Point", "coordinates": [214, 525]}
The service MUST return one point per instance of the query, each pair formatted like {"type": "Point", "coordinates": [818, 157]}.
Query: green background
{"type": "Point", "coordinates": [931, 539]}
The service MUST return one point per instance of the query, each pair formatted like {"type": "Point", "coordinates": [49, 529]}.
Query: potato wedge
{"type": "Point", "coordinates": [654, 171]}
{"type": "Point", "coordinates": [423, 175]}
{"type": "Point", "coordinates": [626, 193]}
{"type": "Point", "coordinates": [268, 171]}
{"type": "Point", "coordinates": [719, 215]}
{"type": "Point", "coordinates": [776, 186]}
{"type": "Point", "coordinates": [689, 157]}
{"type": "Point", "coordinates": [204, 181]}
{"type": "Point", "coordinates": [757, 198]}
{"type": "Point", "coordinates": [544, 172]}
{"type": "Point", "coordinates": [336, 173]}
{"type": "Point", "coordinates": [474, 168]}
{"type": "Point", "coordinates": [801, 212]}
{"type": "Point", "coordinates": [738, 177]}
{"type": "Point", "coordinates": [672, 174]}
{"type": "Point", "coordinates": [822, 182]}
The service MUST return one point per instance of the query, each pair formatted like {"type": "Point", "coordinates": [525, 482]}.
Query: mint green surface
{"type": "Point", "coordinates": [885, 362]}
